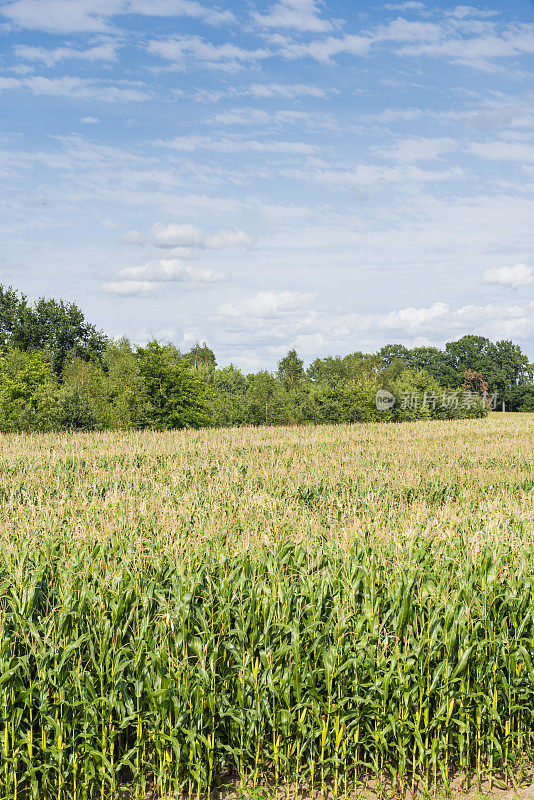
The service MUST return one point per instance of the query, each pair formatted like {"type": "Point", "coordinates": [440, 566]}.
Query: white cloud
{"type": "Point", "coordinates": [78, 88]}
{"type": "Point", "coordinates": [169, 270]}
{"type": "Point", "coordinates": [302, 15]}
{"type": "Point", "coordinates": [403, 30]}
{"type": "Point", "coordinates": [367, 175]}
{"type": "Point", "coordinates": [476, 51]}
{"type": "Point", "coordinates": [133, 237]}
{"type": "Point", "coordinates": [285, 319]}
{"type": "Point", "coordinates": [237, 145]}
{"type": "Point", "coordinates": [188, 235]}
{"type": "Point", "coordinates": [62, 16]}
{"type": "Point", "coordinates": [174, 235]}
{"type": "Point", "coordinates": [262, 118]}
{"type": "Point", "coordinates": [227, 240]}
{"type": "Point", "coordinates": [266, 305]}
{"type": "Point", "coordinates": [130, 288]}
{"type": "Point", "coordinates": [9, 83]}
{"type": "Point", "coordinates": [503, 151]}
{"type": "Point", "coordinates": [186, 50]}
{"type": "Point", "coordinates": [289, 91]}
{"type": "Point", "coordinates": [407, 319]}
{"type": "Point", "coordinates": [260, 91]}
{"type": "Point", "coordinates": [181, 8]}
{"type": "Point", "coordinates": [417, 149]}
{"type": "Point", "coordinates": [514, 276]}
{"type": "Point", "coordinates": [409, 5]}
{"type": "Point", "coordinates": [90, 120]}
{"type": "Point", "coordinates": [94, 16]}
{"type": "Point", "coordinates": [325, 49]}
{"type": "Point", "coordinates": [101, 52]}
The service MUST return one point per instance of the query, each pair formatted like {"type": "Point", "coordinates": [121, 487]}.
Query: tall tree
{"type": "Point", "coordinates": [202, 358]}
{"type": "Point", "coordinates": [394, 352]}
{"type": "Point", "coordinates": [12, 309]}
{"type": "Point", "coordinates": [471, 352]}
{"type": "Point", "coordinates": [291, 371]}
{"type": "Point", "coordinates": [330, 371]}
{"type": "Point", "coordinates": [267, 400]}
{"type": "Point", "coordinates": [55, 326]}
{"type": "Point", "coordinates": [510, 365]}
{"type": "Point", "coordinates": [435, 362]}
{"type": "Point", "coordinates": [177, 397]}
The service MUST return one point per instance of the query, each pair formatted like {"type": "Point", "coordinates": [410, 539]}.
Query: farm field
{"type": "Point", "coordinates": [301, 608]}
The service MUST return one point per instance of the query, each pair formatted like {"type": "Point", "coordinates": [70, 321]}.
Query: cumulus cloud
{"type": "Point", "coordinates": [90, 120]}
{"type": "Point", "coordinates": [130, 288]}
{"type": "Point", "coordinates": [515, 276]}
{"type": "Point", "coordinates": [150, 277]}
{"type": "Point", "coordinates": [188, 235]}
{"type": "Point", "coordinates": [170, 269]}
{"type": "Point", "coordinates": [407, 319]}
{"type": "Point", "coordinates": [175, 235]}
{"type": "Point", "coordinates": [301, 15]}
{"type": "Point", "coordinates": [287, 319]}
{"type": "Point", "coordinates": [266, 305]}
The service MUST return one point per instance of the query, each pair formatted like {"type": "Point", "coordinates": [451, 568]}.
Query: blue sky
{"type": "Point", "coordinates": [263, 174]}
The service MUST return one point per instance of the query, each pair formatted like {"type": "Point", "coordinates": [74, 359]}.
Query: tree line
{"type": "Point", "coordinates": [58, 371]}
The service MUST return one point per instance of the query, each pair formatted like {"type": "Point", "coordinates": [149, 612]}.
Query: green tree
{"type": "Point", "coordinates": [474, 353]}
{"type": "Point", "coordinates": [12, 310]}
{"type": "Point", "coordinates": [510, 367]}
{"type": "Point", "coordinates": [229, 396]}
{"type": "Point", "coordinates": [177, 397]}
{"type": "Point", "coordinates": [266, 400]}
{"type": "Point", "coordinates": [202, 359]}
{"type": "Point", "coordinates": [28, 392]}
{"type": "Point", "coordinates": [83, 398]}
{"type": "Point", "coordinates": [394, 352]}
{"type": "Point", "coordinates": [60, 329]}
{"type": "Point", "coordinates": [128, 404]}
{"type": "Point", "coordinates": [435, 362]}
{"type": "Point", "coordinates": [290, 371]}
{"type": "Point", "coordinates": [330, 371]}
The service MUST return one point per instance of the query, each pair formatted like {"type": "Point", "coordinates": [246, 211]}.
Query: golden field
{"type": "Point", "coordinates": [243, 489]}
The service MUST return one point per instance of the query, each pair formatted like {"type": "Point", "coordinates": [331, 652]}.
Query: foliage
{"type": "Point", "coordinates": [28, 392]}
{"type": "Point", "coordinates": [105, 384]}
{"type": "Point", "coordinates": [290, 371]}
{"type": "Point", "coordinates": [229, 400]}
{"type": "Point", "coordinates": [54, 326]}
{"type": "Point", "coordinates": [177, 397]}
{"type": "Point", "coordinates": [202, 359]}
{"type": "Point", "coordinates": [266, 400]}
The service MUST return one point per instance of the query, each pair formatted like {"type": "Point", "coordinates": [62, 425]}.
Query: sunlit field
{"type": "Point", "coordinates": [305, 609]}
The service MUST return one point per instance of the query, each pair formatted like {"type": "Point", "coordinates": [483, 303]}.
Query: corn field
{"type": "Point", "coordinates": [305, 609]}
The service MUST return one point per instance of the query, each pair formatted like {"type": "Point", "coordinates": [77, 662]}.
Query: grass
{"type": "Point", "coordinates": [287, 607]}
